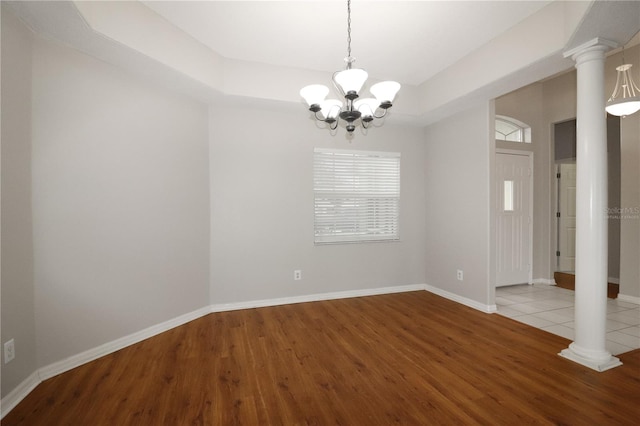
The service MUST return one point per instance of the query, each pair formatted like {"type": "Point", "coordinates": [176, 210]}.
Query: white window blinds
{"type": "Point", "coordinates": [357, 195]}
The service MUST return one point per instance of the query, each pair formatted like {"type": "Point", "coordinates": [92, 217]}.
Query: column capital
{"type": "Point", "coordinates": [594, 45]}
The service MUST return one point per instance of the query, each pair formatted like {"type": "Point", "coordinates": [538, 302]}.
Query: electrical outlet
{"type": "Point", "coordinates": [9, 351]}
{"type": "Point", "coordinates": [460, 275]}
{"type": "Point", "coordinates": [297, 275]}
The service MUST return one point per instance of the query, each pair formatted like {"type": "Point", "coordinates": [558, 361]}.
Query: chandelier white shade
{"type": "Point", "coordinates": [625, 99]}
{"type": "Point", "coordinates": [314, 94]}
{"type": "Point", "coordinates": [349, 82]}
{"type": "Point", "coordinates": [385, 91]}
{"type": "Point", "coordinates": [330, 109]}
{"type": "Point", "coordinates": [367, 107]}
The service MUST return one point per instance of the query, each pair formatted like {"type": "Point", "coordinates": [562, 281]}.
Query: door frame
{"type": "Point", "coordinates": [558, 209]}
{"type": "Point", "coordinates": [528, 154]}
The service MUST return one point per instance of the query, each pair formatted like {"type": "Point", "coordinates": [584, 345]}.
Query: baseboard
{"type": "Point", "coordinates": [14, 397]}
{"type": "Point", "coordinates": [629, 299]}
{"type": "Point", "coordinates": [115, 345]}
{"type": "Point", "coordinates": [44, 373]}
{"type": "Point", "coordinates": [543, 281]}
{"type": "Point", "coordinates": [21, 391]}
{"type": "Point", "coordinates": [461, 299]}
{"type": "Point", "coordinates": [222, 307]}
{"type": "Point", "coordinates": [610, 280]}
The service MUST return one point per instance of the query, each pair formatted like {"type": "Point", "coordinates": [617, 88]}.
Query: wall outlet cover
{"type": "Point", "coordinates": [9, 351]}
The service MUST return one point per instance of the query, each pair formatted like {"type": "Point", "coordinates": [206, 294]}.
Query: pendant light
{"type": "Point", "coordinates": [349, 83]}
{"type": "Point", "coordinates": [625, 99]}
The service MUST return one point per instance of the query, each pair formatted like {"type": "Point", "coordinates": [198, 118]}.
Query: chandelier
{"type": "Point", "coordinates": [625, 99]}
{"type": "Point", "coordinates": [348, 83]}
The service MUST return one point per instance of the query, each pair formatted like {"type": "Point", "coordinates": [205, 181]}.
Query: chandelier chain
{"type": "Point", "coordinates": [348, 82]}
{"type": "Point", "coordinates": [349, 30]}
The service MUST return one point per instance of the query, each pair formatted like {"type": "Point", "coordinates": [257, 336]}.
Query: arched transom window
{"type": "Point", "coordinates": [512, 130]}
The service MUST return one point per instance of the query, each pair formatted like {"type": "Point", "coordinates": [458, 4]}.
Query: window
{"type": "Point", "coordinates": [508, 196]}
{"type": "Point", "coordinates": [357, 196]}
{"type": "Point", "coordinates": [511, 130]}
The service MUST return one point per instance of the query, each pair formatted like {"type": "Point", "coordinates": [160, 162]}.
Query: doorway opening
{"type": "Point", "coordinates": [565, 162]}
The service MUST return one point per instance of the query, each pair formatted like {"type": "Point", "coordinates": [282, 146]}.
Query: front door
{"type": "Point", "coordinates": [513, 218]}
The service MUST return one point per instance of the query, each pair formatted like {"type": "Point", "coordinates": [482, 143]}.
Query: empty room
{"type": "Point", "coordinates": [320, 212]}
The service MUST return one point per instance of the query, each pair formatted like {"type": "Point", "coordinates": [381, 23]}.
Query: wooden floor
{"type": "Point", "coordinates": [410, 358]}
{"type": "Point", "coordinates": [568, 280]}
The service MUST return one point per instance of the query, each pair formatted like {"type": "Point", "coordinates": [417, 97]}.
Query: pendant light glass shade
{"type": "Point", "coordinates": [624, 107]}
{"type": "Point", "coordinates": [314, 94]}
{"type": "Point", "coordinates": [385, 91]}
{"type": "Point", "coordinates": [625, 99]}
{"type": "Point", "coordinates": [330, 109]}
{"type": "Point", "coordinates": [367, 106]}
{"type": "Point", "coordinates": [350, 80]}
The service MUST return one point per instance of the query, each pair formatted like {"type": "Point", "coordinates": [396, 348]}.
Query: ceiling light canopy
{"type": "Point", "coordinates": [349, 83]}
{"type": "Point", "coordinates": [625, 99]}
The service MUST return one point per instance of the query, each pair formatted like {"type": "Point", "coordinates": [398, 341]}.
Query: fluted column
{"type": "Point", "coordinates": [589, 345]}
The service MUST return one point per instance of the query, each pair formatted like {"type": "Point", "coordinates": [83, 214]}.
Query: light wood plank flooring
{"type": "Point", "coordinates": [410, 358]}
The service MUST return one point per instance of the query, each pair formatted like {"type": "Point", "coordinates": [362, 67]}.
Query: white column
{"type": "Point", "coordinates": [589, 345]}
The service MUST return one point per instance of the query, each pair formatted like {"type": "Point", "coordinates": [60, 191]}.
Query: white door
{"type": "Point", "coordinates": [514, 178]}
{"type": "Point", "coordinates": [567, 218]}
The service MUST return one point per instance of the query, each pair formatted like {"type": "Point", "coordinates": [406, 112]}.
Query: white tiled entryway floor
{"type": "Point", "coordinates": [550, 308]}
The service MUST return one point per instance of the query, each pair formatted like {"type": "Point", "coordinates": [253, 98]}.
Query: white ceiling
{"type": "Point", "coordinates": [407, 41]}
{"type": "Point", "coordinates": [488, 48]}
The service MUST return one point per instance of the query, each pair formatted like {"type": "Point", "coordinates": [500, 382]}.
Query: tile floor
{"type": "Point", "coordinates": [550, 308]}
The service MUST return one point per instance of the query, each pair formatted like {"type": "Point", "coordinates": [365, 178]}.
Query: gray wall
{"type": "Point", "coordinates": [614, 189]}
{"type": "Point", "coordinates": [137, 191]}
{"type": "Point", "coordinates": [630, 204]}
{"type": "Point", "coordinates": [18, 315]}
{"type": "Point", "coordinates": [564, 137]}
{"type": "Point", "coordinates": [120, 203]}
{"type": "Point", "coordinates": [262, 208]}
{"type": "Point", "coordinates": [459, 219]}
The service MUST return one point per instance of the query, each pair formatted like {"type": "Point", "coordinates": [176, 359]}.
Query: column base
{"type": "Point", "coordinates": [604, 361]}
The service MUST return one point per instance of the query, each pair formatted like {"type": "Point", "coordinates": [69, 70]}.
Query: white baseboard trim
{"type": "Point", "coordinates": [543, 281]}
{"type": "Point", "coordinates": [115, 345]}
{"type": "Point", "coordinates": [461, 299]}
{"type": "Point", "coordinates": [23, 389]}
{"type": "Point", "coordinates": [14, 397]}
{"type": "Point", "coordinates": [223, 307]}
{"type": "Point", "coordinates": [630, 299]}
{"type": "Point", "coordinates": [44, 373]}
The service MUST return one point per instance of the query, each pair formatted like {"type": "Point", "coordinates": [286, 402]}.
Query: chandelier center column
{"type": "Point", "coordinates": [589, 345]}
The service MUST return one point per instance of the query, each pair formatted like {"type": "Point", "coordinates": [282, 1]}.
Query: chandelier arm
{"type": "Point", "coordinates": [633, 87]}
{"type": "Point", "coordinates": [616, 88]}
{"type": "Point", "coordinates": [334, 125]}
{"type": "Point", "coordinates": [384, 112]}
{"type": "Point", "coordinates": [626, 89]}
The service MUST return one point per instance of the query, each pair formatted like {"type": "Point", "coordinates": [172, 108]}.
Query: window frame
{"type": "Point", "coordinates": [356, 196]}
{"type": "Point", "coordinates": [522, 129]}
